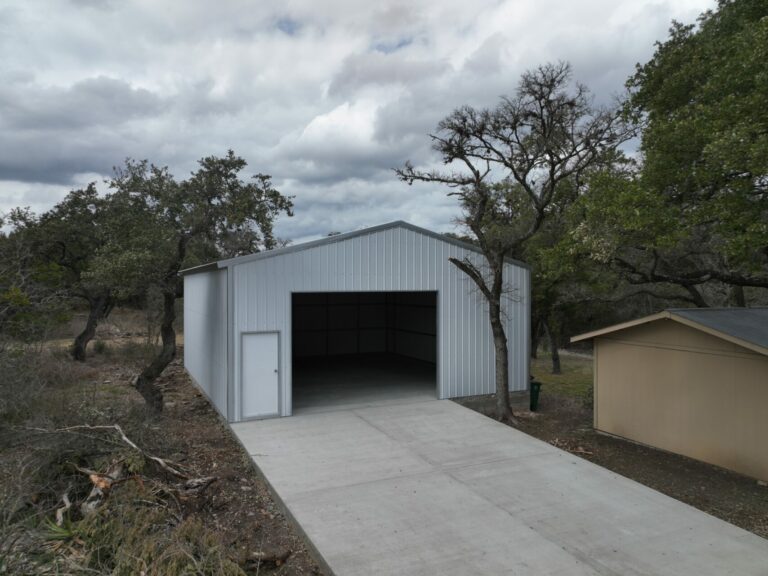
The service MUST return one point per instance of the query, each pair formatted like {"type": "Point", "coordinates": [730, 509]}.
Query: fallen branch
{"type": "Point", "coordinates": [102, 483]}
{"type": "Point", "coordinates": [60, 511]}
{"type": "Point", "coordinates": [159, 461]}
{"type": "Point", "coordinates": [196, 486]}
{"type": "Point", "coordinates": [277, 558]}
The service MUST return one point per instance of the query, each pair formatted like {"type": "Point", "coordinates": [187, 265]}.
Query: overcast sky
{"type": "Point", "coordinates": [327, 96]}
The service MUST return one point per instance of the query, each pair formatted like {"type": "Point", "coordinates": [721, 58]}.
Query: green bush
{"type": "Point", "coordinates": [100, 347]}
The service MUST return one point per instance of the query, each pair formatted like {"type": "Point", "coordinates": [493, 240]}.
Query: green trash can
{"type": "Point", "coordinates": [535, 389]}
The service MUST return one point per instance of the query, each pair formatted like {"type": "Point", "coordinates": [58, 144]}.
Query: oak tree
{"type": "Point", "coordinates": [507, 166]}
{"type": "Point", "coordinates": [163, 225]}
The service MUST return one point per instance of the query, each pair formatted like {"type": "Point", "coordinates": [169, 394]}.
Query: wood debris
{"type": "Point", "coordinates": [274, 557]}
{"type": "Point", "coordinates": [564, 445]}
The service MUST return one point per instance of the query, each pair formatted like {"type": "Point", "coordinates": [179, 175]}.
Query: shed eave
{"type": "Point", "coordinates": [676, 318]}
{"type": "Point", "coordinates": [722, 335]}
{"type": "Point", "coordinates": [618, 327]}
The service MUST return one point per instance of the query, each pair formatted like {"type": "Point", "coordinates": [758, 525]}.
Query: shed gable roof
{"type": "Point", "coordinates": [340, 238]}
{"type": "Point", "coordinates": [747, 327]}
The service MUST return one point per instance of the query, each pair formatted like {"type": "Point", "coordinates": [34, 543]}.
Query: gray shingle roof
{"type": "Point", "coordinates": [749, 324]}
{"type": "Point", "coordinates": [747, 327]}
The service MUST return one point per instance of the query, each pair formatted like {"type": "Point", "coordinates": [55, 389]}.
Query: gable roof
{"type": "Point", "coordinates": [339, 238]}
{"type": "Point", "coordinates": [747, 327]}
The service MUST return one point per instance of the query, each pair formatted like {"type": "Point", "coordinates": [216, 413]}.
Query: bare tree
{"type": "Point", "coordinates": [512, 160]}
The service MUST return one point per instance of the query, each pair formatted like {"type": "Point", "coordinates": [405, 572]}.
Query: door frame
{"type": "Point", "coordinates": [279, 376]}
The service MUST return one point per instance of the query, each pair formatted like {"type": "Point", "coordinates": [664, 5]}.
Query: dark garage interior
{"type": "Point", "coordinates": [362, 348]}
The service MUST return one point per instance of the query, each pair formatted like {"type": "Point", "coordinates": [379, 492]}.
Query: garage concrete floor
{"type": "Point", "coordinates": [322, 384]}
{"type": "Point", "coordinates": [430, 487]}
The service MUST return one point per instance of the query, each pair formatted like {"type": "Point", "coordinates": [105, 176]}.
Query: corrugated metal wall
{"type": "Point", "coordinates": [390, 259]}
{"type": "Point", "coordinates": [205, 334]}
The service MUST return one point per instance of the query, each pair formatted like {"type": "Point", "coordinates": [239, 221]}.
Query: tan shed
{"type": "Point", "coordinates": [690, 381]}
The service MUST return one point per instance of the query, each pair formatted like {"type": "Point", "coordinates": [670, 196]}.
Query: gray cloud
{"type": "Point", "coordinates": [87, 103]}
{"type": "Point", "coordinates": [379, 69]}
{"type": "Point", "coordinates": [326, 100]}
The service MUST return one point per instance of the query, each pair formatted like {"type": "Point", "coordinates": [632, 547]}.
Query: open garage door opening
{"type": "Point", "coordinates": [363, 348]}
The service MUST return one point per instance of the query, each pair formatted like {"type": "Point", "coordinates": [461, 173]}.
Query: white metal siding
{"type": "Point", "coordinates": [205, 334]}
{"type": "Point", "coordinates": [392, 259]}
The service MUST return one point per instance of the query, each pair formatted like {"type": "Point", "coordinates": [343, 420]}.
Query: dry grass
{"type": "Point", "coordinates": [47, 391]}
{"type": "Point", "coordinates": [148, 523]}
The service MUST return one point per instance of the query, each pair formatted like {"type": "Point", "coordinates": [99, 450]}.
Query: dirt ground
{"type": "Point", "coordinates": [237, 507]}
{"type": "Point", "coordinates": [242, 509]}
{"type": "Point", "coordinates": [566, 422]}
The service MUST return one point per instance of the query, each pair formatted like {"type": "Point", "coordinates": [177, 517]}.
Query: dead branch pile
{"type": "Point", "coordinates": [126, 510]}
{"type": "Point", "coordinates": [123, 469]}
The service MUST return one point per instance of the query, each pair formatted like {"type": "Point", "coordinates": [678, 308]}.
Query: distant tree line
{"type": "Point", "coordinates": [119, 247]}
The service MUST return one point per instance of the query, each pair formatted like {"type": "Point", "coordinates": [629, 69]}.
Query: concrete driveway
{"type": "Point", "coordinates": [429, 487]}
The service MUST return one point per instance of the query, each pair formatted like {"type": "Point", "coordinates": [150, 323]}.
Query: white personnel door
{"type": "Point", "coordinates": [260, 378]}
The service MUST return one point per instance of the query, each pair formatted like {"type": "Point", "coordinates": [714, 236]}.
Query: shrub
{"type": "Point", "coordinates": [100, 347]}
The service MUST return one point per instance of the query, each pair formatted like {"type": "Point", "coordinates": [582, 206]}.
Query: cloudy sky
{"type": "Point", "coordinates": [327, 96]}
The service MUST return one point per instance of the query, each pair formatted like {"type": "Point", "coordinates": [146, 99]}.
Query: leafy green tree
{"type": "Point", "coordinates": [694, 213]}
{"type": "Point", "coordinates": [161, 225]}
{"type": "Point", "coordinates": [69, 236]}
{"type": "Point", "coordinates": [31, 299]}
{"type": "Point", "coordinates": [512, 163]}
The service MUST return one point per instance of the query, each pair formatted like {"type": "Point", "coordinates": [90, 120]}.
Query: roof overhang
{"type": "Point", "coordinates": [670, 315]}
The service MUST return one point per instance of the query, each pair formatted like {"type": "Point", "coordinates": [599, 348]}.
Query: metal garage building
{"type": "Point", "coordinates": [690, 381]}
{"type": "Point", "coordinates": [371, 310]}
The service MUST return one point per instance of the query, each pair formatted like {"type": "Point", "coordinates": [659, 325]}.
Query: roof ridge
{"type": "Point", "coordinates": [226, 262]}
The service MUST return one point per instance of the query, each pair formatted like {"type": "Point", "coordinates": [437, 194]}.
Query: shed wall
{"type": "Point", "coordinates": [205, 334]}
{"type": "Point", "coordinates": [676, 388]}
{"type": "Point", "coordinates": [393, 259]}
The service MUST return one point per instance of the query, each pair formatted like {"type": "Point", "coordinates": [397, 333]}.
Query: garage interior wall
{"type": "Point", "coordinates": [342, 323]}
{"type": "Point", "coordinates": [205, 334]}
{"type": "Point", "coordinates": [671, 386]}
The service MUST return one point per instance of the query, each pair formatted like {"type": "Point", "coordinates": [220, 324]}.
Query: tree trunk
{"type": "Point", "coordinates": [535, 337]}
{"type": "Point", "coordinates": [99, 309]}
{"type": "Point", "coordinates": [503, 408]}
{"type": "Point", "coordinates": [493, 297]}
{"type": "Point", "coordinates": [553, 350]}
{"type": "Point", "coordinates": [698, 299]}
{"type": "Point", "coordinates": [737, 293]}
{"type": "Point", "coordinates": [145, 382]}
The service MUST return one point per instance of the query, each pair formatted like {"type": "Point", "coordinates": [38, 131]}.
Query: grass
{"type": "Point", "coordinates": [575, 380]}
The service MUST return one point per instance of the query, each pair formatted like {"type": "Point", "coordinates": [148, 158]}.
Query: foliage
{"type": "Point", "coordinates": [703, 99]}
{"type": "Point", "coordinates": [70, 233]}
{"type": "Point", "coordinates": [69, 236]}
{"type": "Point", "coordinates": [693, 213]}
{"type": "Point", "coordinates": [159, 225]}
{"type": "Point", "coordinates": [32, 302]}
